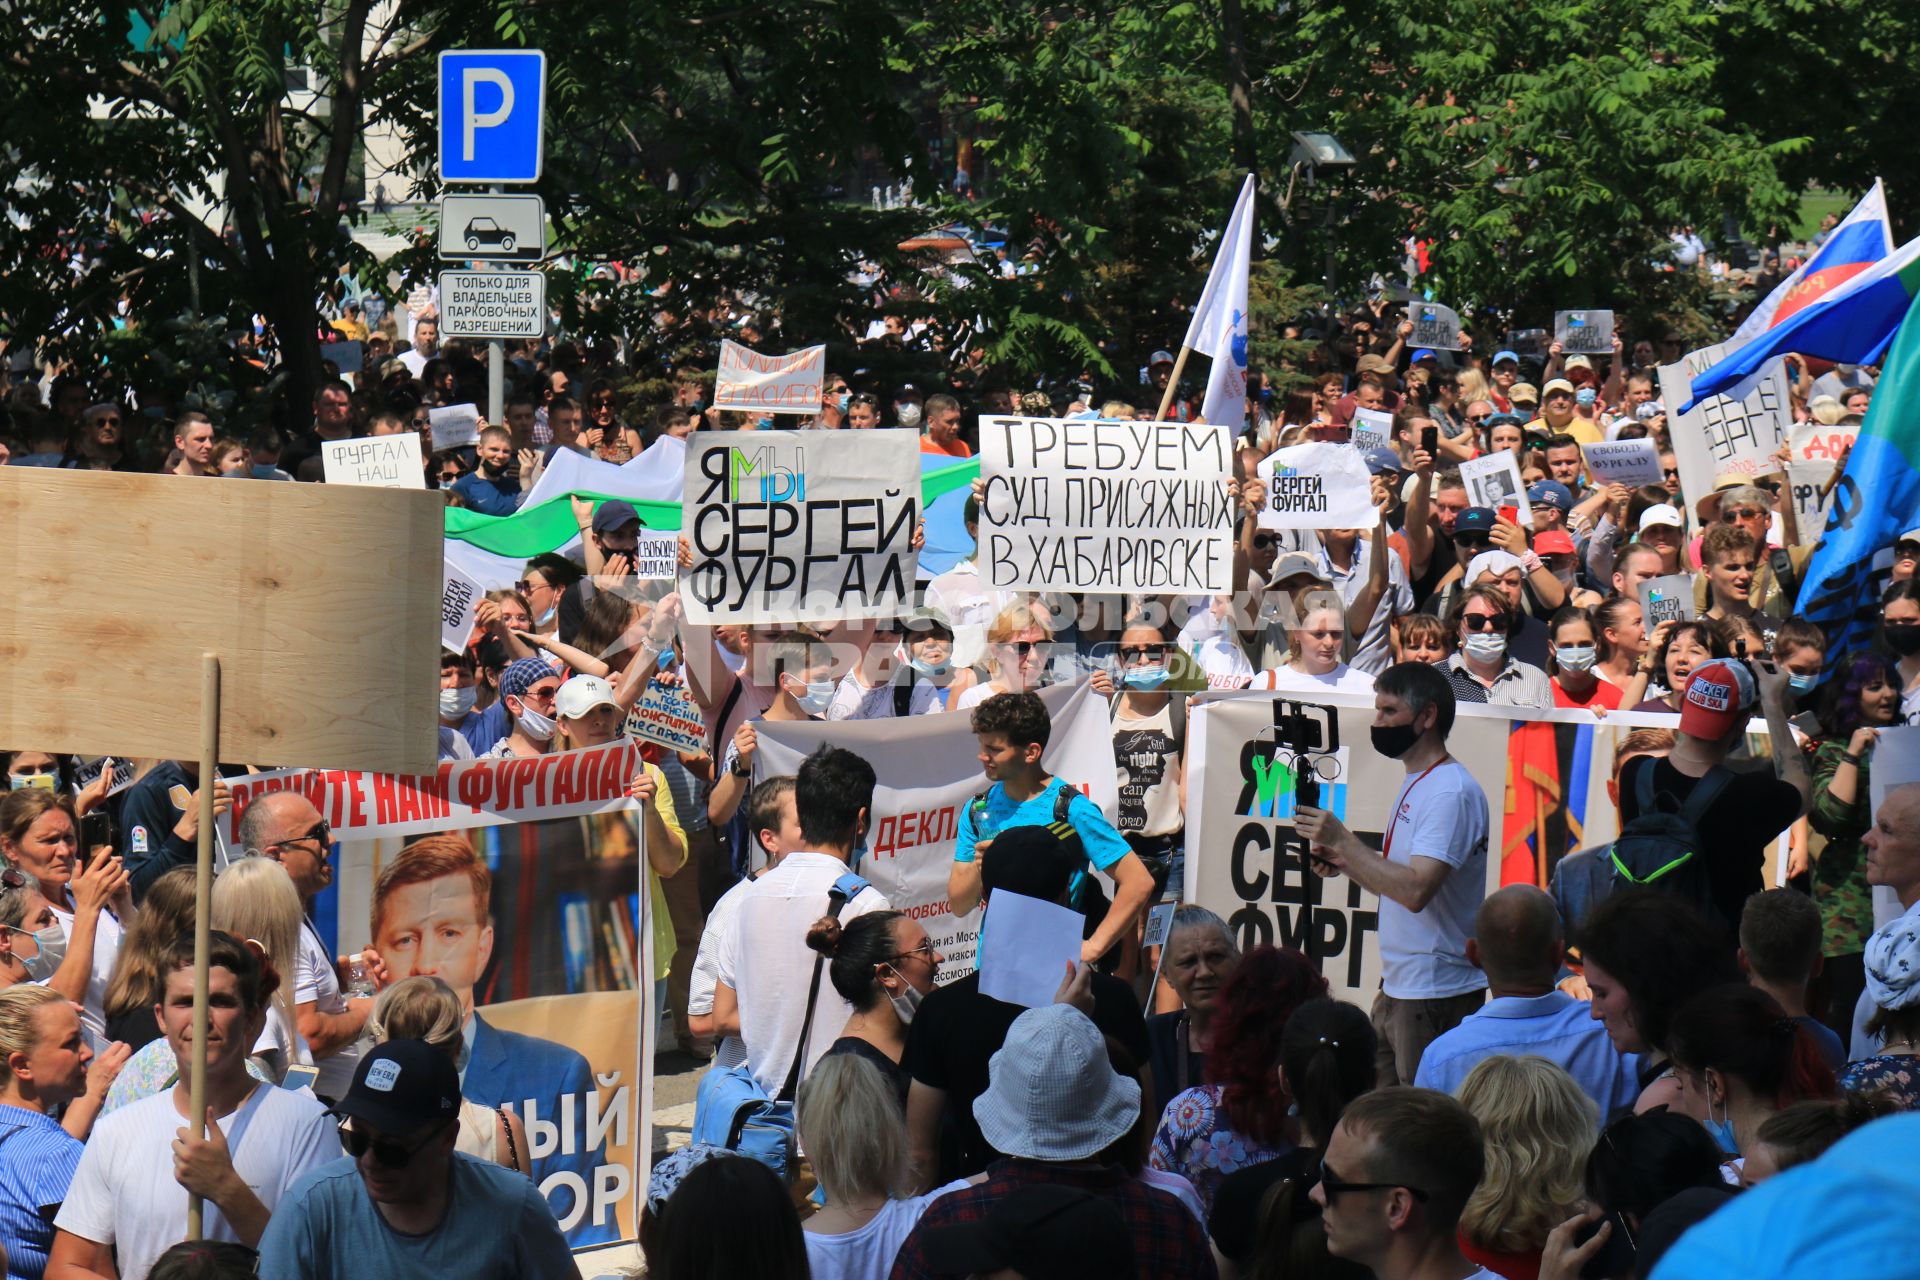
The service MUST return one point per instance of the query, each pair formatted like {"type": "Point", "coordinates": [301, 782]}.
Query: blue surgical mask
{"type": "Point", "coordinates": [1575, 657]}
{"type": "Point", "coordinates": [818, 696]}
{"type": "Point", "coordinates": [931, 670]}
{"type": "Point", "coordinates": [666, 658]}
{"type": "Point", "coordinates": [1803, 683]}
{"type": "Point", "coordinates": [1145, 677]}
{"type": "Point", "coordinates": [1722, 1130]}
{"type": "Point", "coordinates": [261, 471]}
{"type": "Point", "coordinates": [1487, 646]}
{"type": "Point", "coordinates": [844, 400]}
{"type": "Point", "coordinates": [52, 942]}
{"type": "Point", "coordinates": [547, 617]}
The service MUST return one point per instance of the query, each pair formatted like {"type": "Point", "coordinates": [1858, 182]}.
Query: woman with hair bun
{"type": "Point", "coordinates": [1745, 1060]}
{"type": "Point", "coordinates": [881, 963]}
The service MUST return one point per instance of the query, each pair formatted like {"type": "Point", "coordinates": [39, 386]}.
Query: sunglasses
{"type": "Point", "coordinates": [1331, 1186]}
{"type": "Point", "coordinates": [1135, 653]}
{"type": "Point", "coordinates": [541, 695]}
{"type": "Point", "coordinates": [1025, 647]}
{"type": "Point", "coordinates": [320, 833]}
{"type": "Point", "coordinates": [1672, 473]}
{"type": "Point", "coordinates": [1265, 542]}
{"type": "Point", "coordinates": [1744, 513]}
{"type": "Point", "coordinates": [1482, 622]}
{"type": "Point", "coordinates": [394, 1155]}
{"type": "Point", "coordinates": [1478, 419]}
{"type": "Point", "coordinates": [1472, 541]}
{"type": "Point", "coordinates": [1907, 550]}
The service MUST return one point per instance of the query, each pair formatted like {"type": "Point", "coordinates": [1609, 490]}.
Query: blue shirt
{"type": "Point", "coordinates": [497, 1227]}
{"type": "Point", "coordinates": [1103, 844]}
{"type": "Point", "coordinates": [1554, 1026]}
{"type": "Point", "coordinates": [37, 1160]}
{"type": "Point", "coordinates": [489, 497]}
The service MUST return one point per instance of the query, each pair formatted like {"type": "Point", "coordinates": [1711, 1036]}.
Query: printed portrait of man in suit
{"type": "Point", "coordinates": [431, 915]}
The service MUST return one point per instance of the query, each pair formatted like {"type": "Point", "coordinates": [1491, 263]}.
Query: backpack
{"type": "Point", "coordinates": [731, 1110]}
{"type": "Point", "coordinates": [1660, 848]}
{"type": "Point", "coordinates": [1086, 895]}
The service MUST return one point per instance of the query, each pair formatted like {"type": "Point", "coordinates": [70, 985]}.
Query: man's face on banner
{"type": "Point", "coordinates": [433, 929]}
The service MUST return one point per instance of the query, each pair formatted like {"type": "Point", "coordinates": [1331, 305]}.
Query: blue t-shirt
{"type": "Point", "coordinates": [1103, 844]}
{"type": "Point", "coordinates": [489, 497]}
{"type": "Point", "coordinates": [497, 1227]}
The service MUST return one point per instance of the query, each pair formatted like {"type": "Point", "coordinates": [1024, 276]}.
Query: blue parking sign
{"type": "Point", "coordinates": [492, 115]}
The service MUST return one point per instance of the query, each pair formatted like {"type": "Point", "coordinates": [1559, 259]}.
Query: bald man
{"type": "Point", "coordinates": [285, 827]}
{"type": "Point", "coordinates": [1517, 943]}
{"type": "Point", "coordinates": [1893, 862]}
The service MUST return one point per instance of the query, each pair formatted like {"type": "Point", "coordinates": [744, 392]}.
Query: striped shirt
{"type": "Point", "coordinates": [37, 1160]}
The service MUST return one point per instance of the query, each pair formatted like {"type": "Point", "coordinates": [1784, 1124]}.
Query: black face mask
{"type": "Point", "coordinates": [1904, 641]}
{"type": "Point", "coordinates": [1394, 740]}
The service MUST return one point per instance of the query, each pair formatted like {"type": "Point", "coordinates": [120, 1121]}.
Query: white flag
{"type": "Point", "coordinates": [1219, 327]}
{"type": "Point", "coordinates": [1864, 237]}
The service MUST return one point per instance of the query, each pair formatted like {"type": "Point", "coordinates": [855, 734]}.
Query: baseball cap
{"type": "Point", "coordinates": [1160, 357]}
{"type": "Point", "coordinates": [1498, 356]}
{"type": "Point", "coordinates": [1524, 393]}
{"type": "Point", "coordinates": [582, 694]}
{"type": "Point", "coordinates": [1578, 361]}
{"type": "Point", "coordinates": [1426, 353]}
{"type": "Point", "coordinates": [1553, 494]}
{"type": "Point", "coordinates": [1553, 542]}
{"type": "Point", "coordinates": [1474, 520]}
{"type": "Point", "coordinates": [400, 1086]}
{"type": "Point", "coordinates": [1296, 564]}
{"type": "Point", "coordinates": [1382, 460]}
{"type": "Point", "coordinates": [1716, 701]}
{"type": "Point", "coordinates": [1660, 513]}
{"type": "Point", "coordinates": [1061, 1232]}
{"type": "Point", "coordinates": [1557, 384]}
{"type": "Point", "coordinates": [1030, 861]}
{"type": "Point", "coordinates": [1373, 364]}
{"type": "Point", "coordinates": [614, 514]}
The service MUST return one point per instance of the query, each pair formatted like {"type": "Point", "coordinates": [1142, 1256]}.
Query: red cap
{"type": "Point", "coordinates": [1553, 542]}
{"type": "Point", "coordinates": [1717, 698]}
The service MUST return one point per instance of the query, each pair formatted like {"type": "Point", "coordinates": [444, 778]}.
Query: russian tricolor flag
{"type": "Point", "coordinates": [1865, 237]}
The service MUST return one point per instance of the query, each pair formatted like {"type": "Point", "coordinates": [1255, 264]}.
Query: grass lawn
{"type": "Point", "coordinates": [1815, 205]}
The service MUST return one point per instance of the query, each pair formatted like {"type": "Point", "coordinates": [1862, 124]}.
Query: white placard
{"type": "Point", "coordinates": [1317, 486]}
{"type": "Point", "coordinates": [1434, 326]}
{"type": "Point", "coordinates": [769, 384]}
{"type": "Point", "coordinates": [382, 462]}
{"type": "Point", "coordinates": [1718, 436]}
{"type": "Point", "coordinates": [460, 596]}
{"type": "Point", "coordinates": [668, 715]}
{"type": "Point", "coordinates": [454, 426]}
{"type": "Point", "coordinates": [1628, 462]}
{"type": "Point", "coordinates": [1094, 505]}
{"type": "Point", "coordinates": [1025, 948]}
{"type": "Point", "coordinates": [790, 526]}
{"type": "Point", "coordinates": [1666, 598]}
{"type": "Point", "coordinates": [1493, 480]}
{"type": "Point", "coordinates": [656, 557]}
{"type": "Point", "coordinates": [1586, 333]}
{"type": "Point", "coordinates": [1372, 429]}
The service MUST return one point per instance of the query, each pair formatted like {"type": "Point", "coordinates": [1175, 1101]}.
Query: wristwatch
{"type": "Point", "coordinates": [739, 768]}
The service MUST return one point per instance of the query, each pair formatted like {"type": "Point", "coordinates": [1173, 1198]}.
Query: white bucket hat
{"type": "Point", "coordinates": [1051, 1092]}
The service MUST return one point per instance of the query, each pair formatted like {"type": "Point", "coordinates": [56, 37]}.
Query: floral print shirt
{"type": "Point", "coordinates": [1194, 1141]}
{"type": "Point", "coordinates": [1896, 1075]}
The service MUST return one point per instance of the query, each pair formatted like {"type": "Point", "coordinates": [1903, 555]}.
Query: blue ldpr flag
{"type": "Point", "coordinates": [1877, 499]}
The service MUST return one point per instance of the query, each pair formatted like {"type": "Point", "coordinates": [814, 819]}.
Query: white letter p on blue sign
{"type": "Point", "coordinates": [492, 115]}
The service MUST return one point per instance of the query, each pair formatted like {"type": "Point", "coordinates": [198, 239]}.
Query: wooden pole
{"type": "Point", "coordinates": [1173, 380]}
{"type": "Point", "coordinates": [203, 915]}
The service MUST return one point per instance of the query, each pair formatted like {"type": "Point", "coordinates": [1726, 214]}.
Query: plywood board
{"type": "Point", "coordinates": [321, 601]}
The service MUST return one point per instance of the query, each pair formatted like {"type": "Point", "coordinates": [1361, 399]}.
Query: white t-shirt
{"type": "Point", "coordinates": [772, 963]}
{"type": "Point", "coordinates": [124, 1192]}
{"type": "Point", "coordinates": [316, 983]}
{"type": "Point", "coordinates": [106, 948]}
{"type": "Point", "coordinates": [870, 1250]}
{"type": "Point", "coordinates": [855, 701]}
{"type": "Point", "coordinates": [976, 695]}
{"type": "Point", "coordinates": [1372, 654]}
{"type": "Point", "coordinates": [1343, 679]}
{"type": "Point", "coordinates": [712, 965]}
{"type": "Point", "coordinates": [1439, 814]}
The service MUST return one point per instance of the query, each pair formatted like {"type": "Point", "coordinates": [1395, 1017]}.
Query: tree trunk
{"type": "Point", "coordinates": [1233, 53]}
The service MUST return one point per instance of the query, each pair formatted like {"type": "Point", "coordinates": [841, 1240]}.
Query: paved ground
{"type": "Point", "coordinates": [675, 1077]}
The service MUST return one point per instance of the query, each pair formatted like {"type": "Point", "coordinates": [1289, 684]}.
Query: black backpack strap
{"type": "Point", "coordinates": [837, 898]}
{"type": "Point", "coordinates": [1783, 573]}
{"type": "Point", "coordinates": [1643, 792]}
{"type": "Point", "coordinates": [720, 725]}
{"type": "Point", "coordinates": [902, 698]}
{"type": "Point", "coordinates": [1705, 792]}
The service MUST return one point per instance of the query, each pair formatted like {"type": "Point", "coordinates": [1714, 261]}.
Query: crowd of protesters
{"type": "Point", "coordinates": [1578, 1077]}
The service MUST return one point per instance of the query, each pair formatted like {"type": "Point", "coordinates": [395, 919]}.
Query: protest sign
{"type": "Point", "coordinates": [668, 715]}
{"type": "Point", "coordinates": [460, 598]}
{"type": "Point", "coordinates": [1372, 429]}
{"type": "Point", "coordinates": [1527, 342]}
{"type": "Point", "coordinates": [385, 462]}
{"type": "Point", "coordinates": [1026, 945]}
{"type": "Point", "coordinates": [1815, 450]}
{"type": "Point", "coordinates": [1434, 326]}
{"type": "Point", "coordinates": [1493, 480]}
{"type": "Point", "coordinates": [657, 556]}
{"type": "Point", "coordinates": [1587, 333]}
{"type": "Point", "coordinates": [790, 525]}
{"type": "Point", "coordinates": [1628, 462]}
{"type": "Point", "coordinates": [1243, 860]}
{"type": "Point", "coordinates": [1317, 486]}
{"type": "Point", "coordinates": [1092, 505]}
{"type": "Point", "coordinates": [347, 357]}
{"type": "Point", "coordinates": [551, 932]}
{"type": "Point", "coordinates": [123, 774]}
{"type": "Point", "coordinates": [1718, 436]}
{"type": "Point", "coordinates": [459, 793]}
{"type": "Point", "coordinates": [454, 425]}
{"type": "Point", "coordinates": [1896, 762]}
{"type": "Point", "coordinates": [769, 384]}
{"type": "Point", "coordinates": [1664, 599]}
{"type": "Point", "coordinates": [928, 769]}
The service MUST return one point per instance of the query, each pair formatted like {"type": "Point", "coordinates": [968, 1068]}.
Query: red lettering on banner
{"type": "Point", "coordinates": [566, 787]}
{"type": "Point", "coordinates": [355, 784]}
{"type": "Point", "coordinates": [476, 787]}
{"type": "Point", "coordinates": [410, 800]}
{"type": "Point", "coordinates": [912, 830]}
{"type": "Point", "coordinates": [616, 771]}
{"type": "Point", "coordinates": [384, 807]}
{"type": "Point", "coordinates": [516, 779]}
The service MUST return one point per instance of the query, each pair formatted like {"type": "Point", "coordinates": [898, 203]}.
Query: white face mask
{"type": "Point", "coordinates": [456, 702]}
{"type": "Point", "coordinates": [908, 414]}
{"type": "Point", "coordinates": [815, 700]}
{"type": "Point", "coordinates": [1486, 646]}
{"type": "Point", "coordinates": [906, 1001]}
{"type": "Point", "coordinates": [534, 725]}
{"type": "Point", "coordinates": [1575, 657]}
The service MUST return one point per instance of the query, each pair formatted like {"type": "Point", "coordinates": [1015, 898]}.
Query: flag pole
{"type": "Point", "coordinates": [1166, 397]}
{"type": "Point", "coordinates": [203, 916]}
